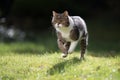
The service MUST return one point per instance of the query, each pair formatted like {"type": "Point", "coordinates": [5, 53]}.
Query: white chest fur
{"type": "Point", "coordinates": [65, 32]}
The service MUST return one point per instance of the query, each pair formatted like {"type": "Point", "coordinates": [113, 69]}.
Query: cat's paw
{"type": "Point", "coordinates": [82, 59]}
{"type": "Point", "coordinates": [63, 55]}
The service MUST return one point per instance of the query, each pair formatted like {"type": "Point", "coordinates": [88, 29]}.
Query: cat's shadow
{"type": "Point", "coordinates": [61, 67]}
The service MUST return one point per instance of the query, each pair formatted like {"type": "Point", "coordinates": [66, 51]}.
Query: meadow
{"type": "Point", "coordinates": [41, 59]}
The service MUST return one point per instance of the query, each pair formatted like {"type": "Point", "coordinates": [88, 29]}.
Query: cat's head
{"type": "Point", "coordinates": [60, 19]}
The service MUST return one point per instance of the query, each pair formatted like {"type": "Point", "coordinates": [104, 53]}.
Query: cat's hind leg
{"type": "Point", "coordinates": [83, 45]}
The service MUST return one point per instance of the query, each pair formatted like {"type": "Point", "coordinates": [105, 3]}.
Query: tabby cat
{"type": "Point", "coordinates": [70, 30]}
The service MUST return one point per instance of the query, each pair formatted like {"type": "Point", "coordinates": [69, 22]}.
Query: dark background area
{"type": "Point", "coordinates": [36, 15]}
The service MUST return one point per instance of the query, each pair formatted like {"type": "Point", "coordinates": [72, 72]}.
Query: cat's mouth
{"type": "Point", "coordinates": [59, 25]}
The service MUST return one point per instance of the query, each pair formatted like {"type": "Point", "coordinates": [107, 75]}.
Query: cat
{"type": "Point", "coordinates": [70, 30]}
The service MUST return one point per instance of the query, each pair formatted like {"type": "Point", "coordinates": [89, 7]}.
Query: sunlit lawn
{"type": "Point", "coordinates": [50, 66]}
{"type": "Point", "coordinates": [41, 60]}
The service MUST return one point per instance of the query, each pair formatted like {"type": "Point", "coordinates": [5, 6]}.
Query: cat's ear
{"type": "Point", "coordinates": [66, 13]}
{"type": "Point", "coordinates": [54, 13]}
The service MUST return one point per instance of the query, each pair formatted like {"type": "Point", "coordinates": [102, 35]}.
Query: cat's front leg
{"type": "Point", "coordinates": [63, 46]}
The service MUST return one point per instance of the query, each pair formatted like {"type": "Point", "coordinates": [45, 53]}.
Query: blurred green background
{"type": "Point", "coordinates": [102, 18]}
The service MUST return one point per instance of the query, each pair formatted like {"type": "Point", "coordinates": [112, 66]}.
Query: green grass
{"type": "Point", "coordinates": [41, 60]}
{"type": "Point", "coordinates": [50, 66]}
{"type": "Point", "coordinates": [34, 61]}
